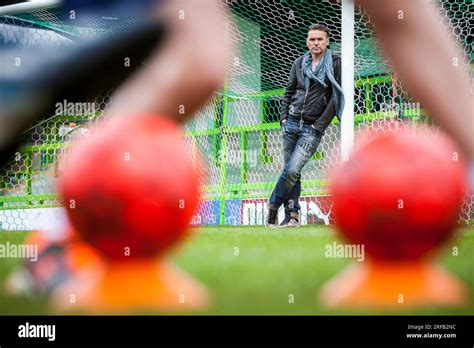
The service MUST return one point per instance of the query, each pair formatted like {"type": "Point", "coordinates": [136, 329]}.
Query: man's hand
{"type": "Point", "coordinates": [284, 121]}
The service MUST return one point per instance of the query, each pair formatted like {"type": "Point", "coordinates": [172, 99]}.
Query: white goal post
{"type": "Point", "coordinates": [347, 57]}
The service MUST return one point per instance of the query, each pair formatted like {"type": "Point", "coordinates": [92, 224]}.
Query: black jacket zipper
{"type": "Point", "coordinates": [302, 110]}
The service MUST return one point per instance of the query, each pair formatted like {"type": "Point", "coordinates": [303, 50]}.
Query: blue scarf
{"type": "Point", "coordinates": [324, 68]}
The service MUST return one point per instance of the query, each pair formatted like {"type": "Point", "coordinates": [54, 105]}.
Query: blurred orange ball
{"type": "Point", "coordinates": [400, 193]}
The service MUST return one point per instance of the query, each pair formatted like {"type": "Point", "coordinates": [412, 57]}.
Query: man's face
{"type": "Point", "coordinates": [317, 41]}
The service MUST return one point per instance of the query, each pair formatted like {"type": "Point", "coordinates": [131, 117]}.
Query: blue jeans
{"type": "Point", "coordinates": [299, 144]}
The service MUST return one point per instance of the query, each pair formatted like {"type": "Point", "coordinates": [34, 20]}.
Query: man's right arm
{"type": "Point", "coordinates": [289, 92]}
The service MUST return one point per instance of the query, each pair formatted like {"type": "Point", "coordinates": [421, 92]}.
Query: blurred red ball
{"type": "Point", "coordinates": [400, 193]}
{"type": "Point", "coordinates": [131, 189]}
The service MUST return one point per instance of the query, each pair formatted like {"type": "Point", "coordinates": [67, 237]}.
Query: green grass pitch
{"type": "Point", "coordinates": [253, 271]}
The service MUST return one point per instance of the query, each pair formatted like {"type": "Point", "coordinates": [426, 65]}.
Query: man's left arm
{"type": "Point", "coordinates": [326, 117]}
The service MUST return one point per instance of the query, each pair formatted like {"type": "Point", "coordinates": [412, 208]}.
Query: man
{"type": "Point", "coordinates": [312, 98]}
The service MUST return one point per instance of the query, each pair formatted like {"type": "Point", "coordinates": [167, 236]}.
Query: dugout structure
{"type": "Point", "coordinates": [238, 131]}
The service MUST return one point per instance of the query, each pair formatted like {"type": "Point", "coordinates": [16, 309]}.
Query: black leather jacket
{"type": "Point", "coordinates": [313, 105]}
